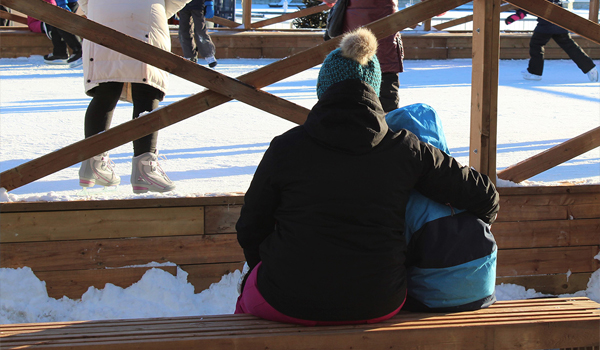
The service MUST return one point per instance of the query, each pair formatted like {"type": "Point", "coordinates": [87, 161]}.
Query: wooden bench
{"type": "Point", "coordinates": [519, 324]}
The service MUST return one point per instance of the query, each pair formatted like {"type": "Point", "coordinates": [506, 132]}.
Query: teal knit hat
{"type": "Point", "coordinates": [354, 59]}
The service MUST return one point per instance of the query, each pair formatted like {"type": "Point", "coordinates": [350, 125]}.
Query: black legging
{"type": "Point", "coordinates": [388, 95]}
{"type": "Point", "coordinates": [105, 97]}
{"type": "Point", "coordinates": [564, 40]}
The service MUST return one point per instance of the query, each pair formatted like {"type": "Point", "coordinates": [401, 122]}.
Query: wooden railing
{"type": "Point", "coordinates": [247, 87]}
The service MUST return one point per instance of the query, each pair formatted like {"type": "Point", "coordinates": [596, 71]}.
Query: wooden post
{"type": "Point", "coordinates": [484, 86]}
{"type": "Point", "coordinates": [427, 25]}
{"type": "Point", "coordinates": [594, 8]}
{"type": "Point", "coordinates": [247, 13]}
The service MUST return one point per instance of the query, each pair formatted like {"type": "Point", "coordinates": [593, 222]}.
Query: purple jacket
{"type": "Point", "coordinates": [360, 12]}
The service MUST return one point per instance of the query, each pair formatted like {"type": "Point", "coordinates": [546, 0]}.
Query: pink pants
{"type": "Point", "coordinates": [252, 302]}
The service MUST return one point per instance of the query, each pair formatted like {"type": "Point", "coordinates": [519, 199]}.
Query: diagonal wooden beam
{"type": "Point", "coordinates": [552, 157]}
{"type": "Point", "coordinates": [157, 57]}
{"type": "Point", "coordinates": [300, 13]}
{"type": "Point", "coordinates": [560, 17]}
{"type": "Point", "coordinates": [469, 18]}
{"type": "Point", "coordinates": [190, 106]}
{"type": "Point", "coordinates": [224, 22]}
{"type": "Point", "coordinates": [13, 17]}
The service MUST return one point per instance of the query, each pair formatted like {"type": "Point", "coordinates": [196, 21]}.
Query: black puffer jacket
{"type": "Point", "coordinates": [325, 210]}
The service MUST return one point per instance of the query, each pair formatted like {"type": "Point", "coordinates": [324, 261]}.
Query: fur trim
{"type": "Point", "coordinates": [359, 45]}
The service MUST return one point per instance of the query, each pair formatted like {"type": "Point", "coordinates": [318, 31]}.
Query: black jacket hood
{"type": "Point", "coordinates": [348, 117]}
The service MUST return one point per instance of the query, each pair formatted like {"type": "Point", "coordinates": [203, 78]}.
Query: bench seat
{"type": "Point", "coordinates": [519, 324]}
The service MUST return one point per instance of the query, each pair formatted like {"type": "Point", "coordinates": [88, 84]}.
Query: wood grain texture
{"type": "Point", "coordinates": [519, 324]}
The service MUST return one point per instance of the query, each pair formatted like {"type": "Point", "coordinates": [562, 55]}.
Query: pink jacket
{"type": "Point", "coordinates": [35, 25]}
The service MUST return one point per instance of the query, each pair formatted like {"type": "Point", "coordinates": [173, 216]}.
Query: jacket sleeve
{"type": "Point", "coordinates": [173, 6]}
{"type": "Point", "coordinates": [257, 220]}
{"type": "Point", "coordinates": [444, 180]}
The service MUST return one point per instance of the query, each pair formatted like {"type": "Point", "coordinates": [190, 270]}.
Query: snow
{"type": "Point", "coordinates": [216, 152]}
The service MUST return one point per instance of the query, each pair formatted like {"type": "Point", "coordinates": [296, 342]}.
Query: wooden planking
{"type": "Point", "coordinates": [555, 284]}
{"type": "Point", "coordinates": [15, 207]}
{"type": "Point", "coordinates": [19, 42]}
{"type": "Point", "coordinates": [101, 224]}
{"type": "Point", "coordinates": [527, 324]}
{"type": "Point", "coordinates": [99, 254]}
{"type": "Point", "coordinates": [74, 283]}
{"type": "Point", "coordinates": [202, 276]}
{"type": "Point", "coordinates": [94, 254]}
{"type": "Point", "coordinates": [554, 233]}
{"type": "Point", "coordinates": [546, 212]}
{"type": "Point", "coordinates": [222, 219]}
{"type": "Point", "coordinates": [550, 199]}
{"type": "Point", "coordinates": [539, 261]}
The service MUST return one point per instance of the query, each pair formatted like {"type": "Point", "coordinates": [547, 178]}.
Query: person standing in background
{"type": "Point", "coordinates": [110, 76]}
{"type": "Point", "coordinates": [390, 52]}
{"type": "Point", "coordinates": [543, 32]}
{"type": "Point", "coordinates": [192, 31]}
{"type": "Point", "coordinates": [60, 38]}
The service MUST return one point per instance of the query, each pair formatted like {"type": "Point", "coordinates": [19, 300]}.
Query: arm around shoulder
{"type": "Point", "coordinates": [446, 181]}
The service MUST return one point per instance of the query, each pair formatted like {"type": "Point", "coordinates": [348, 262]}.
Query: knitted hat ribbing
{"type": "Point", "coordinates": [354, 59]}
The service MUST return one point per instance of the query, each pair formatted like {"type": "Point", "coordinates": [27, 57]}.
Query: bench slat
{"type": "Point", "coordinates": [534, 323]}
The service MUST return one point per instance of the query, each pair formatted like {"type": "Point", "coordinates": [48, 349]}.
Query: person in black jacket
{"type": "Point", "coordinates": [542, 33]}
{"type": "Point", "coordinates": [322, 225]}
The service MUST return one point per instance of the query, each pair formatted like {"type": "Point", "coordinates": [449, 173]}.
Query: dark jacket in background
{"type": "Point", "coordinates": [194, 5]}
{"type": "Point", "coordinates": [325, 209]}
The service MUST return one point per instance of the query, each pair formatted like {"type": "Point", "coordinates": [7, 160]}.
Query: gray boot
{"type": "Point", "coordinates": [147, 175]}
{"type": "Point", "coordinates": [98, 170]}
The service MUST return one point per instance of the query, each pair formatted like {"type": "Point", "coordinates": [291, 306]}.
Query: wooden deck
{"type": "Point", "coordinates": [20, 42]}
{"type": "Point", "coordinates": [547, 239]}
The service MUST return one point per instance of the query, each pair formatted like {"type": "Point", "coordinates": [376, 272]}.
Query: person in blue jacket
{"type": "Point", "coordinates": [543, 32]}
{"type": "Point", "coordinates": [451, 255]}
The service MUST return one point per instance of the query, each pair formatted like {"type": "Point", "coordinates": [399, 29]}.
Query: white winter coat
{"type": "Point", "coordinates": [145, 20]}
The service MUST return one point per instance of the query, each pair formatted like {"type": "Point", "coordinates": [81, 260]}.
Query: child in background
{"type": "Point", "coordinates": [543, 32]}
{"type": "Point", "coordinates": [60, 38]}
{"type": "Point", "coordinates": [193, 37]}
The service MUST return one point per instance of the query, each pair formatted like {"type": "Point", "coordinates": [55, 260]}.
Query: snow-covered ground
{"type": "Point", "coordinates": [216, 152]}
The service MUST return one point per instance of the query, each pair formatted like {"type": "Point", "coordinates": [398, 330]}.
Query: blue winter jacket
{"type": "Point", "coordinates": [451, 258]}
{"type": "Point", "coordinates": [64, 4]}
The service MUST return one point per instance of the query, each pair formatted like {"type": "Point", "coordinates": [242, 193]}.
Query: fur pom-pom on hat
{"type": "Point", "coordinates": [359, 45]}
{"type": "Point", "coordinates": [354, 59]}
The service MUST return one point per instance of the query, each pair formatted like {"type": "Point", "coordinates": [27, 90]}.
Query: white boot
{"type": "Point", "coordinates": [147, 175]}
{"type": "Point", "coordinates": [530, 76]}
{"type": "Point", "coordinates": [593, 74]}
{"type": "Point", "coordinates": [98, 170]}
